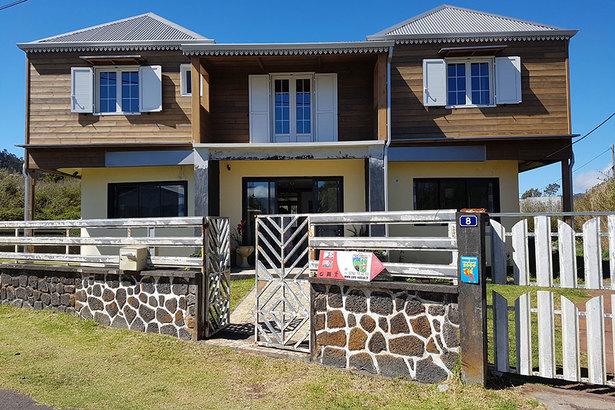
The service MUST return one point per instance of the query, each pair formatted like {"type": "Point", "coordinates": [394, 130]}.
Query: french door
{"type": "Point", "coordinates": [292, 108]}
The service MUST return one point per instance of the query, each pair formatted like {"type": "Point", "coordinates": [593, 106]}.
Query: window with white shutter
{"type": "Point", "coordinates": [326, 107]}
{"type": "Point", "coordinates": [82, 89]}
{"type": "Point", "coordinates": [259, 108]}
{"type": "Point", "coordinates": [150, 80]}
{"type": "Point", "coordinates": [508, 80]}
{"type": "Point", "coordinates": [434, 83]}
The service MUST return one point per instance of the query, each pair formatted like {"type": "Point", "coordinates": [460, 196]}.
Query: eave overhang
{"type": "Point", "coordinates": [475, 37]}
{"type": "Point", "coordinates": [80, 46]}
{"type": "Point", "coordinates": [351, 47]}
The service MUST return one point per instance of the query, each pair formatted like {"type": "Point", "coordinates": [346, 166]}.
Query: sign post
{"type": "Point", "coordinates": [472, 298]}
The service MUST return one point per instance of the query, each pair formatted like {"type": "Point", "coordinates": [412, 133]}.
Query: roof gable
{"type": "Point", "coordinates": [455, 22]}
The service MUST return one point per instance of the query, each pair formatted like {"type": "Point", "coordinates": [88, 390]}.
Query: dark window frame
{"type": "Point", "coordinates": [111, 202]}
{"type": "Point", "coordinates": [439, 181]}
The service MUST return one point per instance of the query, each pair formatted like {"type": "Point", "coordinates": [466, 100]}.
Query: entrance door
{"type": "Point", "coordinates": [264, 196]}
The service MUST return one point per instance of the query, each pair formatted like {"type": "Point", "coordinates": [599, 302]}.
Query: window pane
{"type": "Point", "coordinates": [425, 195]}
{"type": "Point", "coordinates": [303, 108]}
{"type": "Point", "coordinates": [130, 92]}
{"type": "Point", "coordinates": [457, 193]}
{"type": "Point", "coordinates": [149, 201]}
{"type": "Point", "coordinates": [188, 82]}
{"type": "Point", "coordinates": [328, 196]}
{"type": "Point", "coordinates": [125, 202]}
{"type": "Point", "coordinates": [172, 200]}
{"type": "Point", "coordinates": [107, 92]}
{"type": "Point", "coordinates": [282, 107]}
{"type": "Point", "coordinates": [456, 84]}
{"type": "Point", "coordinates": [480, 83]}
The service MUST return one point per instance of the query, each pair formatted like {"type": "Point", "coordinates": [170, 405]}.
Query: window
{"type": "Point", "coordinates": [185, 80]}
{"type": "Point", "coordinates": [469, 83]}
{"type": "Point", "coordinates": [117, 90]}
{"type": "Point", "coordinates": [147, 199]}
{"type": "Point", "coordinates": [457, 193]}
{"type": "Point", "coordinates": [292, 113]}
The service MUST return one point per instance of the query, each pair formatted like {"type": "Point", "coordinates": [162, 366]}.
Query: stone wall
{"type": "Point", "coordinates": [151, 301]}
{"type": "Point", "coordinates": [397, 330]}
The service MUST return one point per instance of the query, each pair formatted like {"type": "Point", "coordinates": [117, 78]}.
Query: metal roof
{"type": "Point", "coordinates": [450, 22]}
{"type": "Point", "coordinates": [343, 47]}
{"type": "Point", "coordinates": [146, 31]}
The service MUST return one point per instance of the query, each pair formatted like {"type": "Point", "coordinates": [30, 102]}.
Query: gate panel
{"type": "Point", "coordinates": [217, 274]}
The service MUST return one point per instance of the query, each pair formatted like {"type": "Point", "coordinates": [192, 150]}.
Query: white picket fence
{"type": "Point", "coordinates": [512, 248]}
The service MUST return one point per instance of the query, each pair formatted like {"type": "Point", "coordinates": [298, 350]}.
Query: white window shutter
{"type": "Point", "coordinates": [259, 108]}
{"type": "Point", "coordinates": [434, 82]}
{"type": "Point", "coordinates": [82, 89]}
{"type": "Point", "coordinates": [150, 88]}
{"type": "Point", "coordinates": [508, 80]}
{"type": "Point", "coordinates": [325, 88]}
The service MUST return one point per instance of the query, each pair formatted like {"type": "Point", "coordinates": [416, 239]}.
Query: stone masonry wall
{"type": "Point", "coordinates": [152, 302]}
{"type": "Point", "coordinates": [388, 332]}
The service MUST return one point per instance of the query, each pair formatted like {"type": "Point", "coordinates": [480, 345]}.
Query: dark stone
{"type": "Point", "coordinates": [85, 313]}
{"type": "Point", "coordinates": [352, 320]}
{"type": "Point", "coordinates": [331, 338]}
{"type": "Point", "coordinates": [381, 303]}
{"type": "Point", "coordinates": [38, 305]}
{"type": "Point", "coordinates": [335, 318]}
{"type": "Point", "coordinates": [97, 290]}
{"type": "Point", "coordinates": [164, 286]}
{"type": "Point", "coordinates": [129, 314]}
{"type": "Point", "coordinates": [377, 343]}
{"type": "Point", "coordinates": [130, 291]}
{"type": "Point", "coordinates": [451, 335]}
{"type": "Point", "coordinates": [320, 303]}
{"type": "Point", "coordinates": [407, 346]}
{"type": "Point", "coordinates": [59, 288]}
{"type": "Point", "coordinates": [334, 357]}
{"type": "Point", "coordinates": [436, 310]}
{"type": "Point", "coordinates": [112, 309]}
{"type": "Point", "coordinates": [32, 282]}
{"type": "Point", "coordinates": [95, 303]}
{"type": "Point", "coordinates": [108, 295]}
{"type": "Point", "coordinates": [182, 303]}
{"type": "Point", "coordinates": [138, 325]}
{"type": "Point", "coordinates": [120, 297]}
{"type": "Point", "coordinates": [101, 318]}
{"type": "Point", "coordinates": [21, 293]}
{"type": "Point", "coordinates": [356, 339]}
{"type": "Point", "coordinates": [383, 323]}
{"type": "Point", "coordinates": [134, 302]}
{"type": "Point", "coordinates": [153, 302]}
{"type": "Point", "coordinates": [191, 299]}
{"type": "Point", "coordinates": [5, 279]}
{"type": "Point", "coordinates": [319, 288]}
{"type": "Point", "coordinates": [319, 322]}
{"type": "Point", "coordinates": [180, 286]}
{"type": "Point", "coordinates": [143, 298]}
{"type": "Point", "coordinates": [436, 325]}
{"type": "Point", "coordinates": [414, 307]}
{"type": "Point", "coordinates": [113, 283]}
{"type": "Point", "coordinates": [59, 309]}
{"type": "Point", "coordinates": [147, 284]}
{"type": "Point", "coordinates": [179, 318]}
{"type": "Point", "coordinates": [10, 293]}
{"type": "Point", "coordinates": [2, 293]}
{"type": "Point", "coordinates": [431, 346]}
{"type": "Point", "coordinates": [429, 372]}
{"type": "Point", "coordinates": [17, 303]}
{"type": "Point", "coordinates": [160, 300]}
{"type": "Point", "coordinates": [69, 288]}
{"type": "Point", "coordinates": [65, 300]}
{"type": "Point", "coordinates": [127, 281]}
{"type": "Point", "coordinates": [421, 326]}
{"type": "Point", "coordinates": [450, 359]}
{"type": "Point", "coordinates": [399, 324]}
{"type": "Point", "coordinates": [453, 314]}
{"type": "Point", "coordinates": [367, 323]}
{"type": "Point", "coordinates": [153, 328]}
{"type": "Point", "coordinates": [363, 362]}
{"type": "Point", "coordinates": [146, 313]}
{"type": "Point", "coordinates": [120, 323]}
{"type": "Point", "coordinates": [15, 281]}
{"type": "Point", "coordinates": [23, 280]}
{"type": "Point", "coordinates": [192, 289]}
{"type": "Point", "coordinates": [335, 297]}
{"type": "Point", "coordinates": [168, 330]}
{"type": "Point", "coordinates": [184, 334]}
{"type": "Point", "coordinates": [43, 286]}
{"type": "Point", "coordinates": [171, 305]}
{"type": "Point", "coordinates": [163, 316]}
{"type": "Point", "coordinates": [356, 301]}
{"type": "Point", "coordinates": [391, 366]}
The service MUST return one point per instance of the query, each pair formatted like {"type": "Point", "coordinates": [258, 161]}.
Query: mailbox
{"type": "Point", "coordinates": [134, 258]}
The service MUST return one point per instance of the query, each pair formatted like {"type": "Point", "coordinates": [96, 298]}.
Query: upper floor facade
{"type": "Point", "coordinates": [449, 74]}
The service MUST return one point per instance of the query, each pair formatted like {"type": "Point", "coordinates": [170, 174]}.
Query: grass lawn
{"type": "Point", "coordinates": [67, 362]}
{"type": "Point", "coordinates": [239, 289]}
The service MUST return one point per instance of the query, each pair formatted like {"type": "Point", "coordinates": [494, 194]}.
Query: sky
{"type": "Point", "coordinates": [592, 61]}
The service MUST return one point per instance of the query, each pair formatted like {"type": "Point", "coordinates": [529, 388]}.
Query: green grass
{"type": "Point", "coordinates": [66, 362]}
{"type": "Point", "coordinates": [239, 289]}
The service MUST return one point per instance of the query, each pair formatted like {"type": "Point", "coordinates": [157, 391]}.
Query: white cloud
{"type": "Point", "coordinates": [589, 179]}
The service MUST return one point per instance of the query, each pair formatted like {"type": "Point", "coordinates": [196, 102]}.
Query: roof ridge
{"type": "Point", "coordinates": [486, 13]}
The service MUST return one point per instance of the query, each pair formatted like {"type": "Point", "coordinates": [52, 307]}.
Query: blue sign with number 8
{"type": "Point", "coordinates": [468, 220]}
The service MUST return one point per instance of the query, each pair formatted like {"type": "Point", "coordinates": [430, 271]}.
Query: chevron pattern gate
{"type": "Point", "coordinates": [282, 268]}
{"type": "Point", "coordinates": [216, 274]}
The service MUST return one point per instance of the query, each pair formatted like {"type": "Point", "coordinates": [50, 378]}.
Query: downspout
{"type": "Point", "coordinates": [26, 192]}
{"type": "Point", "coordinates": [388, 141]}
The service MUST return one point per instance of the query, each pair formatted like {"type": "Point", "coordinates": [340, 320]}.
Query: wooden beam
{"type": "Point", "coordinates": [568, 109]}
{"type": "Point", "coordinates": [380, 97]}
{"type": "Point", "coordinates": [196, 100]}
{"type": "Point", "coordinates": [567, 198]}
{"type": "Point", "coordinates": [27, 125]}
{"type": "Point", "coordinates": [206, 105]}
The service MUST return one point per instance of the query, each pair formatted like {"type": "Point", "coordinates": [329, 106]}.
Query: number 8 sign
{"type": "Point", "coordinates": [468, 220]}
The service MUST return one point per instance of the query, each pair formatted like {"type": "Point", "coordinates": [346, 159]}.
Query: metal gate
{"type": "Point", "coordinates": [216, 274]}
{"type": "Point", "coordinates": [559, 325]}
{"type": "Point", "coordinates": [282, 295]}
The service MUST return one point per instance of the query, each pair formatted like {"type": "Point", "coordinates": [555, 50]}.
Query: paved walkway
{"type": "Point", "coordinates": [567, 398]}
{"type": "Point", "coordinates": [15, 401]}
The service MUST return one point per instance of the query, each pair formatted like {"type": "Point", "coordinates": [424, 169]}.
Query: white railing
{"type": "Point", "coordinates": [61, 241]}
{"type": "Point", "coordinates": [512, 247]}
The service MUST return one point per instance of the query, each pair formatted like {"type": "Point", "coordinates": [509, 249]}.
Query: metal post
{"type": "Point", "coordinates": [472, 298]}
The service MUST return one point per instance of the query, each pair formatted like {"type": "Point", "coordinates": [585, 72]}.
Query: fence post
{"type": "Point", "coordinates": [472, 298]}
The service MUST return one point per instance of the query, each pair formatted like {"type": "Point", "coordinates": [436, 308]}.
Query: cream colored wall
{"type": "Point", "coordinates": [352, 170]}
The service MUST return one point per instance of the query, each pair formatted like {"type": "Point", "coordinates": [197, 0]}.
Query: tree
{"type": "Point", "coordinates": [530, 193]}
{"type": "Point", "coordinates": [551, 189]}
{"type": "Point", "coordinates": [10, 161]}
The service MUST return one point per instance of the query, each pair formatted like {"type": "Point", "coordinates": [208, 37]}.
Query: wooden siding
{"type": "Point", "coordinates": [543, 110]}
{"type": "Point", "coordinates": [229, 92]}
{"type": "Point", "coordinates": [51, 121]}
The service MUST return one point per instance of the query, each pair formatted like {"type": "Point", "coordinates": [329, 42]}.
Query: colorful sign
{"type": "Point", "coordinates": [468, 220]}
{"type": "Point", "coordinates": [469, 269]}
{"type": "Point", "coordinates": [345, 265]}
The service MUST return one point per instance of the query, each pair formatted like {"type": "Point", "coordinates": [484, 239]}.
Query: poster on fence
{"type": "Point", "coordinates": [345, 265]}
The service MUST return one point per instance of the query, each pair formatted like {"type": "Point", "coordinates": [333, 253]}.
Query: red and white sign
{"type": "Point", "coordinates": [363, 266]}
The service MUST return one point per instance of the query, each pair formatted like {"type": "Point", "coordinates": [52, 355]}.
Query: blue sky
{"type": "Point", "coordinates": [592, 61]}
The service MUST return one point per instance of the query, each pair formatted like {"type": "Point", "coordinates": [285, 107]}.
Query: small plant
{"type": "Point", "coordinates": [237, 233]}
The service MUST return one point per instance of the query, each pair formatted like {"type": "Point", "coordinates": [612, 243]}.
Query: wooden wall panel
{"type": "Point", "coordinates": [543, 110]}
{"type": "Point", "coordinates": [51, 121]}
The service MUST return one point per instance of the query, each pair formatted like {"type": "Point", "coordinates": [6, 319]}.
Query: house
{"type": "Point", "coordinates": [443, 110]}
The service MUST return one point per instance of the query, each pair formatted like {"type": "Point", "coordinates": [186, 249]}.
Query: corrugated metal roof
{"type": "Point", "coordinates": [145, 28]}
{"type": "Point", "coordinates": [450, 20]}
